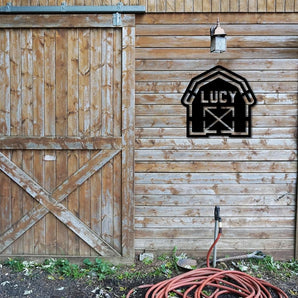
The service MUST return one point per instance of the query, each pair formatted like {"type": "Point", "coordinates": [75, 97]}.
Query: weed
{"type": "Point", "coordinates": [285, 269]}
{"type": "Point", "coordinates": [100, 268]}
{"type": "Point", "coordinates": [147, 261]}
{"type": "Point", "coordinates": [169, 265]}
{"type": "Point", "coordinates": [15, 264]}
{"type": "Point", "coordinates": [62, 267]}
{"type": "Point", "coordinates": [130, 274]}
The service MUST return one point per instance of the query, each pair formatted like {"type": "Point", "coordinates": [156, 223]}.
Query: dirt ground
{"type": "Point", "coordinates": [38, 284]}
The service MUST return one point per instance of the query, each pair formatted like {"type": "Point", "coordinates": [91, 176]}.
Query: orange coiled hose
{"type": "Point", "coordinates": [200, 282]}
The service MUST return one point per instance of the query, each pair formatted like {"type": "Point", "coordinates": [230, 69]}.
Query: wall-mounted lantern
{"type": "Point", "coordinates": [218, 39]}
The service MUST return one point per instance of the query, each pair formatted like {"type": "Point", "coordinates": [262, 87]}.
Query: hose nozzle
{"type": "Point", "coordinates": [216, 213]}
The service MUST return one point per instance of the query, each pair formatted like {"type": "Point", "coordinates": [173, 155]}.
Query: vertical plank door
{"type": "Point", "coordinates": [66, 136]}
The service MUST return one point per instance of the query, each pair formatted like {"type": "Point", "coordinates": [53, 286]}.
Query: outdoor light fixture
{"type": "Point", "coordinates": [218, 39]}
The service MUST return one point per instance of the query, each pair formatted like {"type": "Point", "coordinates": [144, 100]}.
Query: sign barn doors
{"type": "Point", "coordinates": [66, 135]}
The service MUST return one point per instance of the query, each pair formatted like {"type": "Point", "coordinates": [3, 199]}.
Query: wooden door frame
{"type": "Point", "coordinates": [113, 145]}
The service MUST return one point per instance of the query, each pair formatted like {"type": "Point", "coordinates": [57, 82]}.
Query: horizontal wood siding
{"type": "Point", "coordinates": [179, 180]}
{"type": "Point", "coordinates": [183, 5]}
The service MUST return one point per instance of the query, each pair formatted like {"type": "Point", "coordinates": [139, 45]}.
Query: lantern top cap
{"type": "Point", "coordinates": [217, 30]}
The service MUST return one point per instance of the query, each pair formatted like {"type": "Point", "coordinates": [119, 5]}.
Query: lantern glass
{"type": "Point", "coordinates": [218, 44]}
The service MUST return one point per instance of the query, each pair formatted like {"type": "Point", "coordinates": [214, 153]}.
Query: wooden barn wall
{"type": "Point", "coordinates": [179, 180]}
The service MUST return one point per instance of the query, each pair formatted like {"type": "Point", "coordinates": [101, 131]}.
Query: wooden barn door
{"type": "Point", "coordinates": [67, 135]}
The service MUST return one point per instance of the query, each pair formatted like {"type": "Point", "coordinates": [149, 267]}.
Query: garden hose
{"type": "Point", "coordinates": [211, 282]}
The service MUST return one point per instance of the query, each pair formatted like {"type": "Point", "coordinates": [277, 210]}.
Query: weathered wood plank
{"type": "Point", "coordinates": [5, 203]}
{"type": "Point", "coordinates": [209, 18]}
{"type": "Point", "coordinates": [60, 143]}
{"type": "Point", "coordinates": [271, 5]}
{"type": "Point", "coordinates": [262, 5]}
{"type": "Point", "coordinates": [73, 202]}
{"type": "Point", "coordinates": [254, 29]}
{"type": "Point", "coordinates": [107, 77]}
{"type": "Point", "coordinates": [203, 41]}
{"type": "Point", "coordinates": [84, 83]}
{"type": "Point", "coordinates": [180, 87]}
{"type": "Point", "coordinates": [96, 127]}
{"type": "Point", "coordinates": [210, 178]}
{"type": "Point", "coordinates": [296, 227]}
{"type": "Point", "coordinates": [39, 227]}
{"type": "Point", "coordinates": [107, 219]}
{"type": "Point", "coordinates": [38, 43]}
{"type": "Point", "coordinates": [50, 130]}
{"type": "Point", "coordinates": [203, 53]}
{"type": "Point", "coordinates": [188, 6]}
{"type": "Point", "coordinates": [203, 233]}
{"type": "Point", "coordinates": [251, 76]}
{"type": "Point", "coordinates": [15, 82]}
{"type": "Point", "coordinates": [197, 222]}
{"type": "Point", "coordinates": [213, 189]}
{"type": "Point", "coordinates": [215, 144]}
{"type": "Point", "coordinates": [61, 175]}
{"type": "Point", "coordinates": [95, 83]}
{"type": "Point", "coordinates": [28, 202]}
{"type": "Point", "coordinates": [38, 81]}
{"type": "Point", "coordinates": [49, 164]}
{"type": "Point", "coordinates": [117, 80]}
{"type": "Point", "coordinates": [237, 211]}
{"type": "Point", "coordinates": [84, 204]}
{"type": "Point", "coordinates": [128, 126]}
{"type": "Point", "coordinates": [202, 65]}
{"type": "Point", "coordinates": [27, 123]}
{"type": "Point", "coordinates": [62, 20]}
{"type": "Point", "coordinates": [225, 244]}
{"type": "Point", "coordinates": [72, 125]}
{"type": "Point", "coordinates": [179, 109]}
{"type": "Point", "coordinates": [5, 82]}
{"type": "Point", "coordinates": [216, 166]}
{"type": "Point", "coordinates": [211, 200]}
{"type": "Point", "coordinates": [96, 203]}
{"type": "Point", "coordinates": [206, 5]}
{"type": "Point", "coordinates": [179, 133]}
{"type": "Point", "coordinates": [117, 206]}
{"type": "Point", "coordinates": [73, 83]}
{"type": "Point", "coordinates": [289, 5]}
{"type": "Point", "coordinates": [16, 201]}
{"type": "Point", "coordinates": [50, 83]}
{"type": "Point", "coordinates": [253, 5]}
{"type": "Point", "coordinates": [61, 82]}
{"type": "Point", "coordinates": [180, 121]}
{"type": "Point", "coordinates": [27, 80]}
{"type": "Point", "coordinates": [172, 99]}
{"type": "Point", "coordinates": [222, 155]}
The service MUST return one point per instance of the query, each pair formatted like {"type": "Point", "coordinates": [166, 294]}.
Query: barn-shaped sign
{"type": "Point", "coordinates": [218, 102]}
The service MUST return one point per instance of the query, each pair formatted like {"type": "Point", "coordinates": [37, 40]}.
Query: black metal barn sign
{"type": "Point", "coordinates": [218, 103]}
